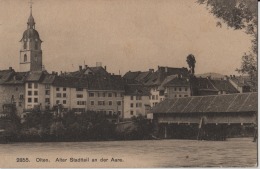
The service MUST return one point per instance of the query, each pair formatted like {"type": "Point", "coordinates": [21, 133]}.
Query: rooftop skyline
{"type": "Point", "coordinates": [123, 35]}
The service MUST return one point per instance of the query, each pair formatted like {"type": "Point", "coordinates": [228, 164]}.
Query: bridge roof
{"type": "Point", "coordinates": [243, 102]}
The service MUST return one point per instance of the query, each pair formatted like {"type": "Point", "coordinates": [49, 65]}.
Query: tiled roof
{"type": "Point", "coordinates": [35, 76]}
{"type": "Point", "coordinates": [5, 75]}
{"type": "Point", "coordinates": [68, 81]}
{"type": "Point", "coordinates": [244, 102]}
{"type": "Point", "coordinates": [48, 79]}
{"type": "Point", "coordinates": [131, 75]}
{"type": "Point", "coordinates": [105, 83]}
{"type": "Point", "coordinates": [17, 78]}
{"type": "Point", "coordinates": [224, 85]}
{"type": "Point", "coordinates": [100, 71]}
{"type": "Point", "coordinates": [137, 90]}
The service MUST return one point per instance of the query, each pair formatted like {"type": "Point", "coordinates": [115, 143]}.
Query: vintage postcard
{"type": "Point", "coordinates": [128, 84]}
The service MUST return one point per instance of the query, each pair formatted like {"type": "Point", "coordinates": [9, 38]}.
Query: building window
{"type": "Point", "coordinates": [138, 104]}
{"type": "Point", "coordinates": [29, 85]}
{"type": "Point", "coordinates": [156, 97]}
{"type": "Point", "coordinates": [175, 89]}
{"type": "Point", "coordinates": [175, 95]}
{"type": "Point", "coordinates": [119, 103]}
{"type": "Point", "coordinates": [138, 97]}
{"type": "Point", "coordinates": [25, 58]}
{"type": "Point", "coordinates": [21, 96]}
{"type": "Point", "coordinates": [115, 94]}
{"type": "Point", "coordinates": [79, 95]}
{"type": "Point", "coordinates": [179, 95]}
{"type": "Point", "coordinates": [81, 102]}
{"type": "Point", "coordinates": [132, 97]}
{"type": "Point", "coordinates": [57, 89]}
{"type": "Point", "coordinates": [29, 93]}
{"type": "Point", "coordinates": [92, 103]}
{"type": "Point", "coordinates": [104, 94]}
{"type": "Point", "coordinates": [57, 102]}
{"type": "Point", "coordinates": [109, 94]}
{"type": "Point", "coordinates": [20, 104]}
{"type": "Point", "coordinates": [36, 85]}
{"type": "Point", "coordinates": [91, 94]}
{"type": "Point", "coordinates": [153, 97]}
{"type": "Point", "coordinates": [131, 112]}
{"type": "Point", "coordinates": [47, 86]}
{"type": "Point", "coordinates": [64, 88]}
{"type": "Point", "coordinates": [110, 113]}
{"type": "Point", "coordinates": [64, 102]}
{"type": "Point", "coordinates": [186, 89]}
{"type": "Point", "coordinates": [29, 100]}
{"type": "Point", "coordinates": [100, 103]}
{"type": "Point", "coordinates": [35, 100]}
{"type": "Point", "coordinates": [110, 103]}
{"type": "Point", "coordinates": [47, 92]}
{"type": "Point", "coordinates": [36, 93]}
{"type": "Point", "coordinates": [185, 95]}
{"type": "Point", "coordinates": [47, 100]}
{"type": "Point", "coordinates": [132, 105]}
{"type": "Point", "coordinates": [180, 89]}
{"type": "Point", "coordinates": [58, 95]}
{"type": "Point", "coordinates": [79, 89]}
{"type": "Point", "coordinates": [64, 95]}
{"type": "Point", "coordinates": [25, 45]}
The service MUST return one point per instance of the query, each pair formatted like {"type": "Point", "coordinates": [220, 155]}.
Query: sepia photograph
{"type": "Point", "coordinates": [128, 84]}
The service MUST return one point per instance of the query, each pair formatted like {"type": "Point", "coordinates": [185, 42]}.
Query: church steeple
{"type": "Point", "coordinates": [31, 23]}
{"type": "Point", "coordinates": [31, 53]}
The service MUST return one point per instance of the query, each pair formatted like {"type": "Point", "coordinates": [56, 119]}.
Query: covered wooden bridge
{"type": "Point", "coordinates": [205, 116]}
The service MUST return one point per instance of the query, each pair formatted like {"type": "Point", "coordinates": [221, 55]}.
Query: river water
{"type": "Point", "coordinates": [152, 153]}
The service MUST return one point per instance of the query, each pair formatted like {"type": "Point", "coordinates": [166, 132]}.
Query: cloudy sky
{"type": "Point", "coordinates": [123, 35]}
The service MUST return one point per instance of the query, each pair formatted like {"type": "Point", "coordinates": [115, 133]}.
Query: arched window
{"type": "Point", "coordinates": [25, 58]}
{"type": "Point", "coordinates": [24, 45]}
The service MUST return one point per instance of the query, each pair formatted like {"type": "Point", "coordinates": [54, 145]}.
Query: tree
{"type": "Point", "coordinates": [191, 62]}
{"type": "Point", "coordinates": [239, 14]}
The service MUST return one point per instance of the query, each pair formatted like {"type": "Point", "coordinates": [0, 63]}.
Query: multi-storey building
{"type": "Point", "coordinates": [136, 101]}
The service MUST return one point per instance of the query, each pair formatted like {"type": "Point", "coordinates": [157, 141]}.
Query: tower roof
{"type": "Point", "coordinates": [31, 33]}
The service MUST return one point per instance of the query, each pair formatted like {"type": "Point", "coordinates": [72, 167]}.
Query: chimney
{"type": "Point", "coordinates": [234, 76]}
{"type": "Point", "coordinates": [230, 76]}
{"type": "Point", "coordinates": [60, 72]}
{"type": "Point", "coordinates": [53, 73]}
{"type": "Point", "coordinates": [225, 77]}
{"type": "Point", "coordinates": [10, 68]}
{"type": "Point", "coordinates": [86, 66]}
{"type": "Point", "coordinates": [105, 67]}
{"type": "Point", "coordinates": [166, 69]}
{"type": "Point", "coordinates": [80, 68]}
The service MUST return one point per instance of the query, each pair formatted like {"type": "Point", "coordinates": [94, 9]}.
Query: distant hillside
{"type": "Point", "coordinates": [211, 74]}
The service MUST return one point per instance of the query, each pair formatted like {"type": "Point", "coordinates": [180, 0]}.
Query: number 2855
{"type": "Point", "coordinates": [22, 160]}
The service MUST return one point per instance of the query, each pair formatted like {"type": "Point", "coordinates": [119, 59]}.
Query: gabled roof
{"type": "Point", "coordinates": [204, 84]}
{"type": "Point", "coordinates": [137, 90]}
{"type": "Point", "coordinates": [244, 102]}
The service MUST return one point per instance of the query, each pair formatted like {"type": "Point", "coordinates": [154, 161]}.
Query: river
{"type": "Point", "coordinates": [152, 153]}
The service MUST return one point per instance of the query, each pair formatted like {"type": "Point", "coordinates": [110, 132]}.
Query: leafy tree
{"type": "Point", "coordinates": [239, 14]}
{"type": "Point", "coordinates": [191, 62]}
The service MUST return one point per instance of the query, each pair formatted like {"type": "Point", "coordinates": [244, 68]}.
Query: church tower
{"type": "Point", "coordinates": [30, 53]}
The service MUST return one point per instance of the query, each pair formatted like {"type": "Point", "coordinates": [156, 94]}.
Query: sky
{"type": "Point", "coordinates": [123, 35]}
